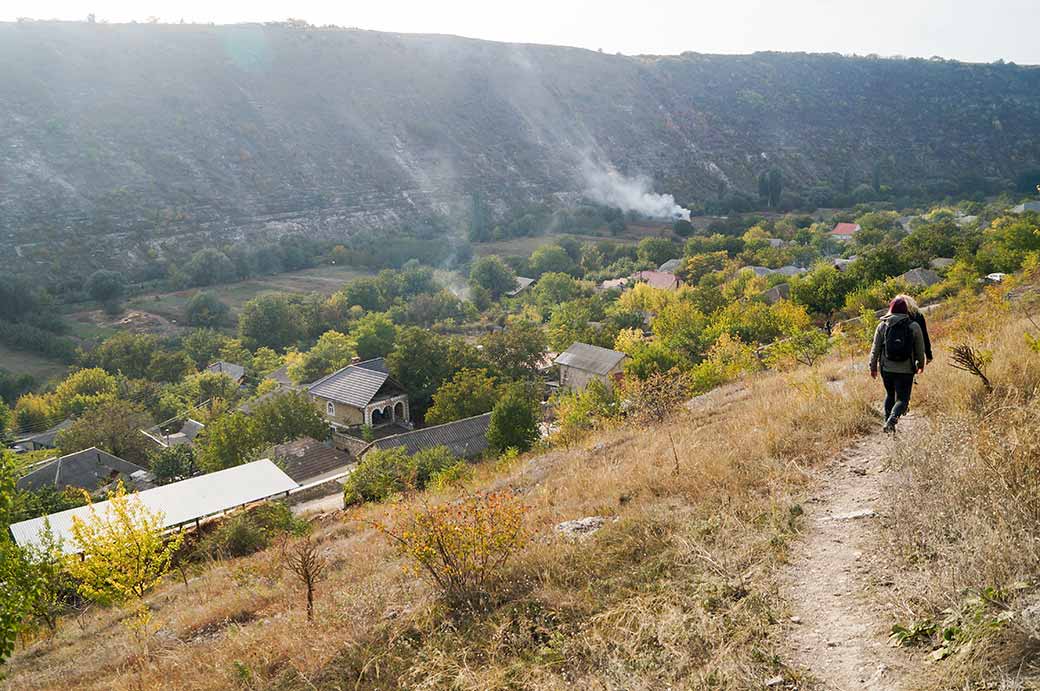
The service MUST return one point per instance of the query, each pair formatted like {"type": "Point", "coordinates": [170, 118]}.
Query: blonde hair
{"type": "Point", "coordinates": [911, 304]}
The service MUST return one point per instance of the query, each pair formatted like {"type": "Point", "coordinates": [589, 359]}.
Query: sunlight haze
{"type": "Point", "coordinates": [959, 29]}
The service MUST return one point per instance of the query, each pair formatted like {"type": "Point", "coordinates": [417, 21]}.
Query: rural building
{"type": "Point", "coordinates": [670, 266]}
{"type": "Point", "coordinates": [1028, 206]}
{"type": "Point", "coordinates": [776, 243]}
{"type": "Point", "coordinates": [89, 469]}
{"type": "Point", "coordinates": [308, 460]}
{"type": "Point", "coordinates": [181, 503]}
{"type": "Point", "coordinates": [581, 363]}
{"type": "Point", "coordinates": [522, 284]}
{"type": "Point", "coordinates": [614, 284]}
{"type": "Point", "coordinates": [658, 279]}
{"type": "Point", "coordinates": [779, 292]}
{"type": "Point", "coordinates": [465, 438]}
{"type": "Point", "coordinates": [185, 434]}
{"type": "Point", "coordinates": [840, 263]}
{"type": "Point", "coordinates": [236, 372]}
{"type": "Point", "coordinates": [363, 393]}
{"type": "Point", "coordinates": [759, 271]}
{"type": "Point", "coordinates": [43, 440]}
{"type": "Point", "coordinates": [920, 278]}
{"type": "Point", "coordinates": [845, 231]}
{"type": "Point", "coordinates": [940, 263]}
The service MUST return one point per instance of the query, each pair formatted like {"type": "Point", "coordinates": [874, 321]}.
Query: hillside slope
{"type": "Point", "coordinates": [112, 136]}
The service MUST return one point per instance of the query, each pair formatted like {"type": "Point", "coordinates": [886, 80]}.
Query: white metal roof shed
{"type": "Point", "coordinates": [181, 502]}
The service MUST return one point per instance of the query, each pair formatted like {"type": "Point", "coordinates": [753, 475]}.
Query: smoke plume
{"type": "Point", "coordinates": [629, 194]}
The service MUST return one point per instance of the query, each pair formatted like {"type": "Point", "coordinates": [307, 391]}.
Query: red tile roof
{"type": "Point", "coordinates": [845, 229]}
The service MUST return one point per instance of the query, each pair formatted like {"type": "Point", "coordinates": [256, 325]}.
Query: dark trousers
{"type": "Point", "coordinates": [897, 393]}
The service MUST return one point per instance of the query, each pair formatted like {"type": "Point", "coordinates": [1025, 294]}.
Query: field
{"type": "Point", "coordinates": [38, 366]}
{"type": "Point", "coordinates": [323, 279]}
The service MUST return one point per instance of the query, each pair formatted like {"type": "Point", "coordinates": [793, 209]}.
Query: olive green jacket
{"type": "Point", "coordinates": [877, 351]}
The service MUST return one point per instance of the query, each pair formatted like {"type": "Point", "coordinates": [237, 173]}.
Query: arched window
{"type": "Point", "coordinates": [330, 408]}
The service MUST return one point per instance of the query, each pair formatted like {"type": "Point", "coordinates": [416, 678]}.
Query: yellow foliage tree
{"type": "Point", "coordinates": [124, 552]}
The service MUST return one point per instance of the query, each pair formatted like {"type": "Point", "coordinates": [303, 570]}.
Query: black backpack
{"type": "Point", "coordinates": [899, 341]}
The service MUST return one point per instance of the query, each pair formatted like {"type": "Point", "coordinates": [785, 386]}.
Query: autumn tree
{"type": "Point", "coordinates": [124, 552]}
{"type": "Point", "coordinates": [205, 309]}
{"type": "Point", "coordinates": [269, 320]}
{"type": "Point", "coordinates": [333, 351]}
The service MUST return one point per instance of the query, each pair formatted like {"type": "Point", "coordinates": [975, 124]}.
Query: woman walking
{"type": "Point", "coordinates": [918, 316]}
{"type": "Point", "coordinates": [899, 352]}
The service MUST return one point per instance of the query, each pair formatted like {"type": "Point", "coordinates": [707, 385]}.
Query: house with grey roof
{"type": "Point", "coordinates": [522, 284]}
{"type": "Point", "coordinates": [940, 263]}
{"type": "Point", "coordinates": [465, 438]}
{"type": "Point", "coordinates": [670, 266]}
{"type": "Point", "coordinates": [759, 271]}
{"type": "Point", "coordinates": [42, 440]}
{"type": "Point", "coordinates": [89, 469]}
{"type": "Point", "coordinates": [780, 291]}
{"type": "Point", "coordinates": [236, 372]}
{"type": "Point", "coordinates": [362, 393]}
{"type": "Point", "coordinates": [185, 433]}
{"type": "Point", "coordinates": [920, 277]}
{"type": "Point", "coordinates": [581, 363]}
{"type": "Point", "coordinates": [1028, 206]}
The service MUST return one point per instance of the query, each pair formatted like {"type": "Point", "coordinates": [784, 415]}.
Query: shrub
{"type": "Point", "coordinates": [514, 420]}
{"type": "Point", "coordinates": [463, 546]}
{"type": "Point", "coordinates": [252, 531]}
{"type": "Point", "coordinates": [386, 472]}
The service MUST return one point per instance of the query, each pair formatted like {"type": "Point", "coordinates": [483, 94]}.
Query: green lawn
{"type": "Point", "coordinates": [41, 368]}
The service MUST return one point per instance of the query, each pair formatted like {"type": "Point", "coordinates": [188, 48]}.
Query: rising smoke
{"type": "Point", "coordinates": [610, 187]}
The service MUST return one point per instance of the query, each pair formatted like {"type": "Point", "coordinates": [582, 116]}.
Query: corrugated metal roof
{"type": "Point", "coordinates": [87, 469]}
{"type": "Point", "coordinates": [590, 358]}
{"type": "Point", "coordinates": [465, 438]}
{"type": "Point", "coordinates": [354, 385]}
{"type": "Point", "coordinates": [180, 502]}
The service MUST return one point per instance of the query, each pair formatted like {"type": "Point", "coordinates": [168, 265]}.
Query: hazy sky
{"type": "Point", "coordinates": [972, 30]}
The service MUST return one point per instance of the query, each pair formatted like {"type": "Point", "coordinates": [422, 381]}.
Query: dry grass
{"type": "Point", "coordinates": [677, 590]}
{"type": "Point", "coordinates": [967, 519]}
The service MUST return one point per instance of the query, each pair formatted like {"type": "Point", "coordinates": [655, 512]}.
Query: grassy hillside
{"type": "Point", "coordinates": [121, 142]}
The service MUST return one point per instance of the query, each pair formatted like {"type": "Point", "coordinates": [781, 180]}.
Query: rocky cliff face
{"type": "Point", "coordinates": [135, 138]}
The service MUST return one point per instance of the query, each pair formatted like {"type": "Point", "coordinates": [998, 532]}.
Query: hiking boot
{"type": "Point", "coordinates": [890, 427]}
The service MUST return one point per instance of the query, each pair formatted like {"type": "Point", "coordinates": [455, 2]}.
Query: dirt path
{"type": "Point", "coordinates": [835, 582]}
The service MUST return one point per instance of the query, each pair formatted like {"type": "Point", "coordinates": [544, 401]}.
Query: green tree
{"type": "Point", "coordinates": [83, 390]}
{"type": "Point", "coordinates": [364, 292]}
{"type": "Point", "coordinates": [208, 267]}
{"type": "Point", "coordinates": [203, 346]}
{"type": "Point", "coordinates": [205, 309]}
{"type": "Point", "coordinates": [126, 353]}
{"type": "Point", "coordinates": [552, 258]}
{"type": "Point", "coordinates": [656, 251]}
{"type": "Point", "coordinates": [230, 440]}
{"type": "Point", "coordinates": [269, 320]}
{"type": "Point", "coordinates": [570, 323]}
{"type": "Point", "coordinates": [124, 551]}
{"type": "Point", "coordinates": [289, 416]}
{"type": "Point", "coordinates": [374, 335]}
{"type": "Point", "coordinates": [680, 326]}
{"type": "Point", "coordinates": [491, 274]}
{"type": "Point", "coordinates": [167, 366]}
{"type": "Point", "coordinates": [333, 351]}
{"type": "Point", "coordinates": [823, 289]}
{"type": "Point", "coordinates": [172, 463]}
{"type": "Point", "coordinates": [554, 288]}
{"type": "Point", "coordinates": [114, 426]}
{"type": "Point", "coordinates": [107, 287]}
{"type": "Point", "coordinates": [514, 420]}
{"type": "Point", "coordinates": [517, 350]}
{"type": "Point", "coordinates": [470, 392]}
{"type": "Point", "coordinates": [683, 228]}
{"type": "Point", "coordinates": [420, 362]}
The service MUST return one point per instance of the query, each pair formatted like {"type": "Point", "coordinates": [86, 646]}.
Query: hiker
{"type": "Point", "coordinates": [918, 316]}
{"type": "Point", "coordinates": [898, 350]}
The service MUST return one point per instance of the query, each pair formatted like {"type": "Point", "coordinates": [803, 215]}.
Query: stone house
{"type": "Point", "coordinates": [581, 363]}
{"type": "Point", "coordinates": [362, 393]}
